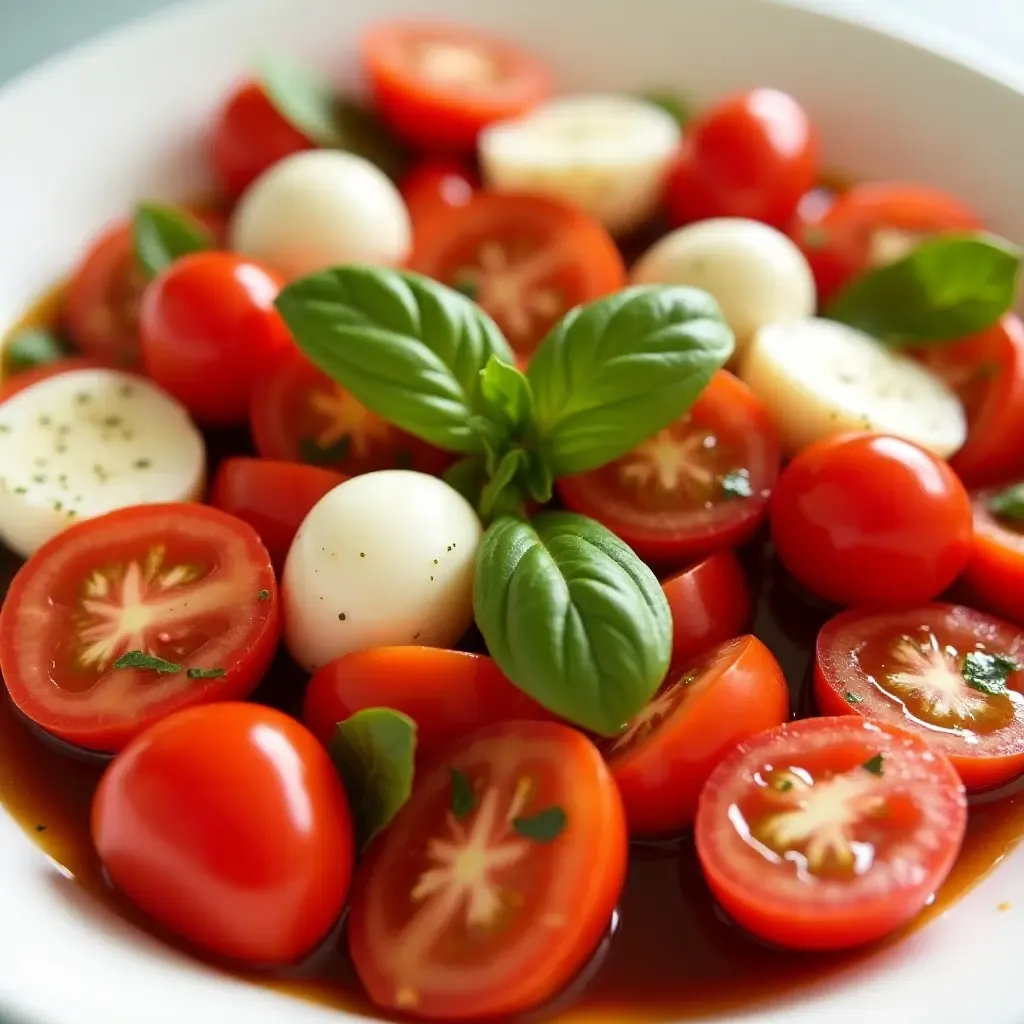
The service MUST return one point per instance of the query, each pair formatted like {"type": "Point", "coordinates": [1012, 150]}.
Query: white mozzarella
{"type": "Point", "coordinates": [384, 559]}
{"type": "Point", "coordinates": [757, 274]}
{"type": "Point", "coordinates": [83, 443]}
{"type": "Point", "coordinates": [607, 154]}
{"type": "Point", "coordinates": [820, 378]}
{"type": "Point", "coordinates": [318, 209]}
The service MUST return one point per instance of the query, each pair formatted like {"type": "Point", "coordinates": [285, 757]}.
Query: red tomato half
{"type": "Point", "coordinates": [867, 519]}
{"type": "Point", "coordinates": [437, 85]}
{"type": "Point", "coordinates": [446, 693]}
{"type": "Point", "coordinates": [525, 259]}
{"type": "Point", "coordinates": [700, 485]}
{"type": "Point", "coordinates": [995, 572]}
{"type": "Point", "coordinates": [829, 832]}
{"type": "Point", "coordinates": [228, 826]}
{"type": "Point", "coordinates": [666, 753]}
{"type": "Point", "coordinates": [910, 668]}
{"type": "Point", "coordinates": [532, 807]}
{"type": "Point", "coordinates": [184, 583]}
{"type": "Point", "coordinates": [272, 497]}
{"type": "Point", "coordinates": [437, 184]}
{"type": "Point", "coordinates": [12, 385]}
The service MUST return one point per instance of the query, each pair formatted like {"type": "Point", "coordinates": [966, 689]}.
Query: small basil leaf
{"type": "Point", "coordinates": [572, 617]}
{"type": "Point", "coordinates": [544, 826]}
{"type": "Point", "coordinates": [408, 348]}
{"type": "Point", "coordinates": [873, 765]}
{"type": "Point", "coordinates": [500, 496]}
{"type": "Point", "coordinates": [302, 97]}
{"type": "Point", "coordinates": [374, 751]}
{"type": "Point", "coordinates": [672, 105]}
{"type": "Point", "coordinates": [507, 395]}
{"type": "Point", "coordinates": [538, 480]}
{"type": "Point", "coordinates": [987, 673]}
{"type": "Point", "coordinates": [32, 347]}
{"type": "Point", "coordinates": [616, 371]}
{"type": "Point", "coordinates": [162, 234]}
{"type": "Point", "coordinates": [1009, 504]}
{"type": "Point", "coordinates": [948, 287]}
{"type": "Point", "coordinates": [360, 131]}
{"type": "Point", "coordinates": [463, 798]}
{"type": "Point", "coordinates": [140, 659]}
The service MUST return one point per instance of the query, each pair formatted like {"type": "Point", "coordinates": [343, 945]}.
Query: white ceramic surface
{"type": "Point", "coordinates": [84, 135]}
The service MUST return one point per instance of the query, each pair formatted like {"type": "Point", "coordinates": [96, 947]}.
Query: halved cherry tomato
{"type": "Point", "coordinates": [700, 485]}
{"type": "Point", "coordinates": [710, 603]}
{"type": "Point", "coordinates": [272, 497]}
{"type": "Point", "coordinates": [525, 259]}
{"type": "Point", "coordinates": [12, 385]}
{"type": "Point", "coordinates": [446, 693]}
{"type": "Point", "coordinates": [753, 155]}
{"type": "Point", "coordinates": [829, 832]}
{"type": "Point", "coordinates": [496, 882]}
{"type": "Point", "coordinates": [437, 85]}
{"type": "Point", "coordinates": [908, 668]}
{"type": "Point", "coordinates": [868, 519]}
{"type": "Point", "coordinates": [183, 583]}
{"type": "Point", "coordinates": [437, 183]}
{"type": "Point", "coordinates": [228, 826]}
{"type": "Point", "coordinates": [995, 571]}
{"type": "Point", "coordinates": [666, 753]}
{"type": "Point", "coordinates": [249, 136]}
{"type": "Point", "coordinates": [299, 414]}
{"type": "Point", "coordinates": [872, 224]}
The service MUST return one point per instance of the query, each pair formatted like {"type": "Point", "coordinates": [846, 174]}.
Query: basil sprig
{"type": "Point", "coordinates": [163, 234]}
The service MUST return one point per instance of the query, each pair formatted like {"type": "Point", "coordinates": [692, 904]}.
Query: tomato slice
{"type": "Point", "coordinates": [525, 259]}
{"type": "Point", "coordinates": [666, 753]}
{"type": "Point", "coordinates": [699, 485]}
{"type": "Point", "coordinates": [475, 903]}
{"type": "Point", "coordinates": [829, 832]}
{"type": "Point", "coordinates": [299, 414]}
{"type": "Point", "coordinates": [995, 571]}
{"type": "Point", "coordinates": [184, 583]}
{"type": "Point", "coordinates": [907, 668]}
{"type": "Point", "coordinates": [438, 85]}
{"type": "Point", "coordinates": [437, 183]}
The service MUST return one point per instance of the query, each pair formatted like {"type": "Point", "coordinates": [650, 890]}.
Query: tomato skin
{"type": "Point", "coordinates": [995, 571]}
{"type": "Point", "coordinates": [19, 381]}
{"type": "Point", "coordinates": [249, 136]}
{"type": "Point", "coordinates": [740, 691]}
{"type": "Point", "coordinates": [437, 183]}
{"type": "Point", "coordinates": [867, 519]}
{"type": "Point", "coordinates": [245, 879]}
{"type": "Point", "coordinates": [209, 329]}
{"type": "Point", "coordinates": [753, 155]}
{"type": "Point", "coordinates": [770, 900]}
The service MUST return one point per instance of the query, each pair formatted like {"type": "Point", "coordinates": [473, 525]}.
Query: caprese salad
{"type": "Point", "coordinates": [539, 370]}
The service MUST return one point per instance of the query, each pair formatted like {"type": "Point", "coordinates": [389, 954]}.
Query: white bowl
{"type": "Point", "coordinates": [85, 135]}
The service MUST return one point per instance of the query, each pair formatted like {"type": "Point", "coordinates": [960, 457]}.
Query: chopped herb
{"type": "Point", "coordinates": [463, 797]}
{"type": "Point", "coordinates": [57, 506]}
{"type": "Point", "coordinates": [312, 453]}
{"type": "Point", "coordinates": [83, 397]}
{"type": "Point", "coordinates": [449, 547]}
{"type": "Point", "coordinates": [873, 765]}
{"type": "Point", "coordinates": [417, 635]}
{"type": "Point", "coordinates": [39, 462]}
{"type": "Point", "coordinates": [4, 428]}
{"type": "Point", "coordinates": [542, 827]}
{"type": "Point", "coordinates": [785, 785]}
{"type": "Point", "coordinates": [1008, 504]}
{"type": "Point", "coordinates": [64, 428]}
{"type": "Point", "coordinates": [127, 391]}
{"type": "Point", "coordinates": [143, 463]}
{"type": "Point", "coordinates": [39, 479]}
{"type": "Point", "coordinates": [342, 616]}
{"type": "Point", "coordinates": [362, 554]}
{"type": "Point", "coordinates": [435, 561]}
{"type": "Point", "coordinates": [20, 490]}
{"type": "Point", "coordinates": [466, 284]}
{"type": "Point", "coordinates": [112, 421]}
{"type": "Point", "coordinates": [263, 595]}
{"type": "Point", "coordinates": [851, 698]}
{"type": "Point", "coordinates": [431, 579]}
{"type": "Point", "coordinates": [206, 673]}
{"type": "Point", "coordinates": [139, 659]}
{"type": "Point", "coordinates": [45, 421]}
{"type": "Point", "coordinates": [60, 448]}
{"type": "Point", "coordinates": [987, 673]}
{"type": "Point", "coordinates": [736, 484]}
{"type": "Point", "coordinates": [40, 828]}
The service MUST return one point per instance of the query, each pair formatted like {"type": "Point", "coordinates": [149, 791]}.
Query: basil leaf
{"type": "Point", "coordinates": [1008, 504]}
{"type": "Point", "coordinates": [162, 234]}
{"type": "Point", "coordinates": [946, 288]}
{"type": "Point", "coordinates": [302, 97]}
{"type": "Point", "coordinates": [507, 394]}
{"type": "Point", "coordinates": [987, 673]}
{"type": "Point", "coordinates": [374, 751]}
{"type": "Point", "coordinates": [206, 673]}
{"type": "Point", "coordinates": [542, 827]}
{"type": "Point", "coordinates": [572, 617]}
{"type": "Point", "coordinates": [500, 495]}
{"type": "Point", "coordinates": [672, 105]}
{"type": "Point", "coordinates": [140, 659]}
{"type": "Point", "coordinates": [463, 798]}
{"type": "Point", "coordinates": [361, 132]}
{"type": "Point", "coordinates": [408, 348]}
{"type": "Point", "coordinates": [873, 765]}
{"type": "Point", "coordinates": [616, 371]}
{"type": "Point", "coordinates": [32, 347]}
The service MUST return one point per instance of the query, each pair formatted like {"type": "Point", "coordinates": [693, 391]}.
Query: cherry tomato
{"type": "Point", "coordinates": [180, 582]}
{"type": "Point", "coordinates": [249, 136]}
{"type": "Point", "coordinates": [437, 86]}
{"type": "Point", "coordinates": [699, 485]}
{"type": "Point", "coordinates": [437, 183]}
{"type": "Point", "coordinates": [753, 155]}
{"type": "Point", "coordinates": [995, 572]}
{"type": "Point", "coordinates": [209, 329]}
{"type": "Point", "coordinates": [299, 414]}
{"type": "Point", "coordinates": [868, 519]}
{"type": "Point", "coordinates": [272, 497]}
{"type": "Point", "coordinates": [872, 224]}
{"type": "Point", "coordinates": [666, 753]}
{"type": "Point", "coordinates": [533, 808]}
{"type": "Point", "coordinates": [228, 826]}
{"type": "Point", "coordinates": [710, 603]}
{"type": "Point", "coordinates": [26, 378]}
{"type": "Point", "coordinates": [829, 832]}
{"type": "Point", "coordinates": [446, 693]}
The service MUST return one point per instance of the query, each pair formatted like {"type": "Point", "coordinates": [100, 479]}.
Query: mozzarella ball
{"type": "Point", "coordinates": [384, 559]}
{"type": "Point", "coordinates": [319, 209]}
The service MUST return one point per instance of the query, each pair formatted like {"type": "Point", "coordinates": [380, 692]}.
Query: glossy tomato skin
{"type": "Point", "coordinates": [705, 710]}
{"type": "Point", "coordinates": [195, 821]}
{"type": "Point", "coordinates": [515, 770]}
{"type": "Point", "coordinates": [26, 378]}
{"type": "Point", "coordinates": [57, 647]}
{"type": "Point", "coordinates": [209, 329]}
{"type": "Point", "coordinates": [753, 155]}
{"type": "Point", "coordinates": [924, 807]}
{"type": "Point", "coordinates": [437, 184]}
{"type": "Point", "coordinates": [446, 693]}
{"type": "Point", "coordinates": [272, 497]}
{"type": "Point", "coordinates": [995, 571]}
{"type": "Point", "coordinates": [871, 520]}
{"type": "Point", "coordinates": [248, 137]}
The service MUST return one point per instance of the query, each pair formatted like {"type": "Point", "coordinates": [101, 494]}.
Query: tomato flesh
{"type": "Point", "coordinates": [995, 571]}
{"type": "Point", "coordinates": [437, 184]}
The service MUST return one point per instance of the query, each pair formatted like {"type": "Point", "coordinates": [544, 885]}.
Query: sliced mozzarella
{"type": "Point", "coordinates": [757, 275]}
{"type": "Point", "coordinates": [820, 378]}
{"type": "Point", "coordinates": [607, 154]}
{"type": "Point", "coordinates": [318, 209]}
{"type": "Point", "coordinates": [384, 559]}
{"type": "Point", "coordinates": [83, 443]}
